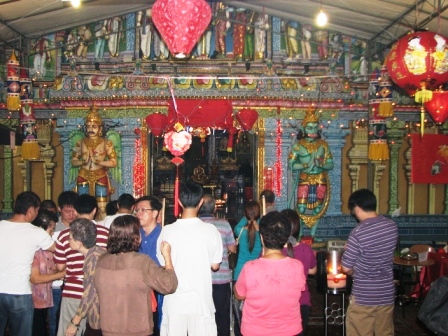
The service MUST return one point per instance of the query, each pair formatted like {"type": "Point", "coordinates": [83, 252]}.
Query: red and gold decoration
{"type": "Point", "coordinates": [177, 142]}
{"type": "Point", "coordinates": [139, 169]}
{"type": "Point", "coordinates": [278, 163]}
{"type": "Point", "coordinates": [247, 118]}
{"type": "Point", "coordinates": [378, 147]}
{"type": "Point", "coordinates": [30, 146]}
{"type": "Point", "coordinates": [438, 106]}
{"type": "Point", "coordinates": [232, 132]}
{"type": "Point", "coordinates": [429, 159]}
{"type": "Point", "coordinates": [157, 123]}
{"type": "Point", "coordinates": [385, 95]}
{"type": "Point", "coordinates": [13, 84]}
{"type": "Point", "coordinates": [181, 23]}
{"type": "Point", "coordinates": [418, 57]}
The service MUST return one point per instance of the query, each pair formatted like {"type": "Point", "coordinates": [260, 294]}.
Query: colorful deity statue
{"type": "Point", "coordinates": [93, 155]}
{"type": "Point", "coordinates": [309, 161]}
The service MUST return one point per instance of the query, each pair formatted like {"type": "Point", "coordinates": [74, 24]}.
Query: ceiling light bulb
{"type": "Point", "coordinates": [75, 3]}
{"type": "Point", "coordinates": [321, 18]}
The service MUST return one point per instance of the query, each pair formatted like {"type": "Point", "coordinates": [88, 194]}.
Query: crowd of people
{"type": "Point", "coordinates": [67, 275]}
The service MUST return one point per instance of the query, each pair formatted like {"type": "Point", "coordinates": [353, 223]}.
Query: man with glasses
{"type": "Point", "coordinates": [147, 210]}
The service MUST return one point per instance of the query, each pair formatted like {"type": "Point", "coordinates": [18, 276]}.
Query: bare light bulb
{"type": "Point", "coordinates": [75, 3]}
{"type": "Point", "coordinates": [321, 18]}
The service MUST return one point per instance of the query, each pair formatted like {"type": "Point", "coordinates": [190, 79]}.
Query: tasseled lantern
{"type": "Point", "coordinates": [13, 84]}
{"type": "Point", "coordinates": [181, 23]}
{"type": "Point", "coordinates": [438, 106]}
{"type": "Point", "coordinates": [385, 94]}
{"type": "Point", "coordinates": [156, 123]}
{"type": "Point", "coordinates": [246, 118]}
{"type": "Point", "coordinates": [30, 145]}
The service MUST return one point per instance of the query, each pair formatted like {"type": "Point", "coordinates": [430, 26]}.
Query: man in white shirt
{"type": "Point", "coordinates": [196, 247]}
{"type": "Point", "coordinates": [19, 240]}
{"type": "Point", "coordinates": [125, 205]}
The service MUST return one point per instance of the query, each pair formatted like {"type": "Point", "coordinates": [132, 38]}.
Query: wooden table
{"type": "Point", "coordinates": [403, 263]}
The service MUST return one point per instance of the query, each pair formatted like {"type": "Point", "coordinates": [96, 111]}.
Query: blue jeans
{"type": "Point", "coordinates": [18, 310]}
{"type": "Point", "coordinates": [53, 312]}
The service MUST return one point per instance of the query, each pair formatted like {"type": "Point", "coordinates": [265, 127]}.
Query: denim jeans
{"type": "Point", "coordinates": [53, 312]}
{"type": "Point", "coordinates": [18, 310]}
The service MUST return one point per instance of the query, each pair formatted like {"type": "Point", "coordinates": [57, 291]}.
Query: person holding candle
{"type": "Point", "coordinates": [303, 253]}
{"type": "Point", "coordinates": [369, 258]}
{"type": "Point", "coordinates": [272, 285]}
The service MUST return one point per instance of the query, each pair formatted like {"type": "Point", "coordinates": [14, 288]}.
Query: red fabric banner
{"type": "Point", "coordinates": [215, 113]}
{"type": "Point", "coordinates": [429, 159]}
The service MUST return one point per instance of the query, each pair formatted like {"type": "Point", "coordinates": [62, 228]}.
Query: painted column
{"type": "Point", "coordinates": [395, 133]}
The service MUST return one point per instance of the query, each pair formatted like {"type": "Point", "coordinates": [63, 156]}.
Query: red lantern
{"type": "Point", "coordinates": [157, 123]}
{"type": "Point", "coordinates": [246, 118]}
{"type": "Point", "coordinates": [438, 106]}
{"type": "Point", "coordinates": [416, 58]}
{"type": "Point", "coordinates": [181, 23]}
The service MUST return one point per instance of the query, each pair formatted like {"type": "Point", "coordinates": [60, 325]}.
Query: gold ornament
{"type": "Point", "coordinates": [310, 116]}
{"type": "Point", "coordinates": [94, 116]}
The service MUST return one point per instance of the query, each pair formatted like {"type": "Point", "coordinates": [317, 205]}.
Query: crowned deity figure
{"type": "Point", "coordinates": [310, 160]}
{"type": "Point", "coordinates": [94, 155]}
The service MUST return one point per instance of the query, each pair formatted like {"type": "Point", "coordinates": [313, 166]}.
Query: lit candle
{"type": "Point", "coordinates": [336, 280]}
{"type": "Point", "coordinates": [263, 205]}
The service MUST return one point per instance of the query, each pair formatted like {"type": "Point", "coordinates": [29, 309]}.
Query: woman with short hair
{"type": "Point", "coordinates": [125, 280]}
{"type": "Point", "coordinates": [271, 285]}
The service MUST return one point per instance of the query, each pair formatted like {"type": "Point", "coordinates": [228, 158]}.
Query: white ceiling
{"type": "Point", "coordinates": [379, 20]}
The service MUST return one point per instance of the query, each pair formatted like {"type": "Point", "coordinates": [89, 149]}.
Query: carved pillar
{"type": "Point", "coordinates": [358, 153]}
{"type": "Point", "coordinates": [128, 138]}
{"type": "Point", "coordinates": [335, 133]}
{"type": "Point", "coordinates": [395, 133]}
{"type": "Point", "coordinates": [411, 186]}
{"type": "Point", "coordinates": [8, 177]}
{"type": "Point", "coordinates": [260, 131]}
{"type": "Point", "coordinates": [378, 171]}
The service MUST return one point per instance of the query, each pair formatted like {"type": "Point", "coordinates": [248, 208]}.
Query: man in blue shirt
{"type": "Point", "coordinates": [147, 209]}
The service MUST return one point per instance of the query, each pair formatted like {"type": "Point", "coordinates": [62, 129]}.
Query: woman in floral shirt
{"type": "Point", "coordinates": [43, 272]}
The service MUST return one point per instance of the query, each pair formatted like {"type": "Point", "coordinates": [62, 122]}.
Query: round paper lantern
{"type": "Point", "coordinates": [416, 58]}
{"type": "Point", "coordinates": [181, 23]}
{"type": "Point", "coordinates": [157, 123]}
{"type": "Point", "coordinates": [438, 106]}
{"type": "Point", "coordinates": [246, 118]}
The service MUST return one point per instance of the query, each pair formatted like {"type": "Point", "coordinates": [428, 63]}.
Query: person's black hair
{"type": "Point", "coordinates": [269, 195]}
{"type": "Point", "coordinates": [124, 235]}
{"type": "Point", "coordinates": [48, 204]}
{"type": "Point", "coordinates": [208, 206]}
{"type": "Point", "coordinates": [111, 208]}
{"type": "Point", "coordinates": [153, 201]}
{"type": "Point", "coordinates": [364, 199]}
{"type": "Point", "coordinates": [44, 217]}
{"type": "Point", "coordinates": [84, 230]}
{"type": "Point", "coordinates": [252, 213]}
{"type": "Point", "coordinates": [126, 201]}
{"type": "Point", "coordinates": [67, 198]}
{"type": "Point", "coordinates": [294, 219]}
{"type": "Point", "coordinates": [190, 194]}
{"type": "Point", "coordinates": [24, 201]}
{"type": "Point", "coordinates": [85, 204]}
{"type": "Point", "coordinates": [275, 229]}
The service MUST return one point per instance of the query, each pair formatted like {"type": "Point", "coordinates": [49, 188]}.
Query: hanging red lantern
{"type": "Point", "coordinates": [157, 123]}
{"type": "Point", "coordinates": [181, 23]}
{"type": "Point", "coordinates": [246, 118]}
{"type": "Point", "coordinates": [438, 106]}
{"type": "Point", "coordinates": [418, 57]}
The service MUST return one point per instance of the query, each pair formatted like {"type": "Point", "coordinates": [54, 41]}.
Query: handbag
{"type": "Point", "coordinates": [233, 256]}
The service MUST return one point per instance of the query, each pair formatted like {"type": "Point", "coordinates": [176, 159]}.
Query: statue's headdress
{"type": "Point", "coordinates": [94, 116]}
{"type": "Point", "coordinates": [310, 116]}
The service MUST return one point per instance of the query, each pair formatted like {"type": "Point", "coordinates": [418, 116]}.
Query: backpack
{"type": "Point", "coordinates": [433, 312]}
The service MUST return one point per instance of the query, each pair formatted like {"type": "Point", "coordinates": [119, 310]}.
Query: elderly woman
{"type": "Point", "coordinates": [125, 280]}
{"type": "Point", "coordinates": [272, 285]}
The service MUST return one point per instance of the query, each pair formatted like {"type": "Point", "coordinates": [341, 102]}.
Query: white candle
{"type": "Point", "coordinates": [336, 280]}
{"type": "Point", "coordinates": [263, 205]}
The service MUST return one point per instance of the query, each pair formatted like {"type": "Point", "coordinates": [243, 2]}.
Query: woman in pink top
{"type": "Point", "coordinates": [43, 273]}
{"type": "Point", "coordinates": [271, 285]}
